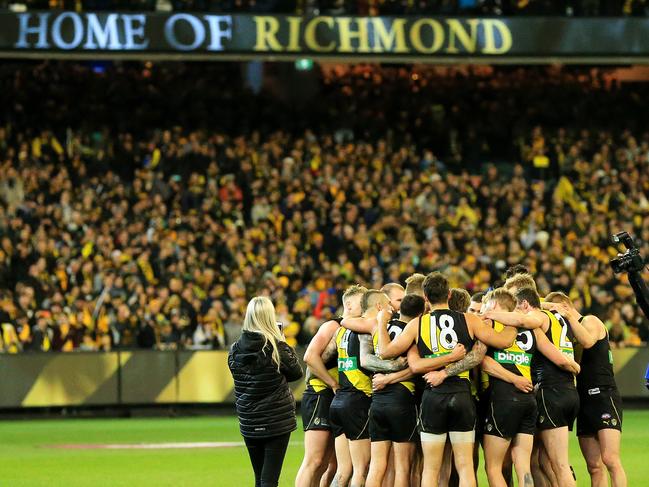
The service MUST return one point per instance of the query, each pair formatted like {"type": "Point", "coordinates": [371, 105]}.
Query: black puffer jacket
{"type": "Point", "coordinates": [265, 404]}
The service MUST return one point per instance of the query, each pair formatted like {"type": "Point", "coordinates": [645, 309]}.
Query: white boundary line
{"type": "Point", "coordinates": [155, 446]}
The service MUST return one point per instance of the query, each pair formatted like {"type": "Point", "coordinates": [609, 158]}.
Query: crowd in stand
{"type": "Point", "coordinates": [364, 7]}
{"type": "Point", "coordinates": [114, 234]}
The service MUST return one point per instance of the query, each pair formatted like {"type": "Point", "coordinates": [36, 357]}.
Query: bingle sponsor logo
{"type": "Point", "coordinates": [346, 364]}
{"type": "Point", "coordinates": [513, 358]}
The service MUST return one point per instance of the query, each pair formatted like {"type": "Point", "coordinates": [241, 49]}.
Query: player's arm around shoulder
{"type": "Point", "coordinates": [369, 361]}
{"type": "Point", "coordinates": [420, 365]}
{"type": "Point", "coordinates": [532, 320]}
{"type": "Point", "coordinates": [391, 349]}
{"type": "Point", "coordinates": [487, 335]}
{"type": "Point", "coordinates": [359, 325]}
{"type": "Point", "coordinates": [552, 353]}
{"type": "Point", "coordinates": [589, 331]}
{"type": "Point", "coordinates": [494, 369]}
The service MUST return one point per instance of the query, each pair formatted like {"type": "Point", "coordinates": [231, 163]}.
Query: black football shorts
{"type": "Point", "coordinates": [349, 414]}
{"type": "Point", "coordinates": [507, 418]}
{"type": "Point", "coordinates": [558, 407]}
{"type": "Point", "coordinates": [600, 409]}
{"type": "Point", "coordinates": [446, 412]}
{"type": "Point", "coordinates": [315, 409]}
{"type": "Point", "coordinates": [393, 417]}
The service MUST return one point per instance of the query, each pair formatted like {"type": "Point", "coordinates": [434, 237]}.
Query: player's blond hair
{"type": "Point", "coordinates": [391, 286]}
{"type": "Point", "coordinates": [353, 290]}
{"type": "Point", "coordinates": [520, 281]}
{"type": "Point", "coordinates": [415, 284]}
{"type": "Point", "coordinates": [559, 297]}
{"type": "Point", "coordinates": [504, 298]}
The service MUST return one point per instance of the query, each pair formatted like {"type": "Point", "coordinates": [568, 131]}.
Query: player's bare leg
{"type": "Point", "coordinates": [556, 445]}
{"type": "Point", "coordinates": [495, 449]}
{"type": "Point", "coordinates": [332, 465]}
{"type": "Point", "coordinates": [462, 443]}
{"type": "Point", "coordinates": [317, 449]}
{"type": "Point", "coordinates": [590, 450]}
{"type": "Point", "coordinates": [403, 454]}
{"type": "Point", "coordinates": [359, 451]}
{"type": "Point", "coordinates": [417, 465]}
{"type": "Point", "coordinates": [538, 474]}
{"type": "Point", "coordinates": [378, 463]}
{"type": "Point", "coordinates": [447, 465]}
{"type": "Point", "coordinates": [609, 443]}
{"type": "Point", "coordinates": [388, 478]}
{"type": "Point", "coordinates": [344, 460]}
{"type": "Point", "coordinates": [521, 454]}
{"type": "Point", "coordinates": [433, 450]}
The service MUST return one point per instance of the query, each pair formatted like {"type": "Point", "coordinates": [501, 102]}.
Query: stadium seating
{"type": "Point", "coordinates": [147, 215]}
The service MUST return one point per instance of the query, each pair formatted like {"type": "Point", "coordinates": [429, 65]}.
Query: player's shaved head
{"type": "Point", "coordinates": [391, 287]}
{"type": "Point", "coordinates": [371, 298]}
{"type": "Point", "coordinates": [395, 292]}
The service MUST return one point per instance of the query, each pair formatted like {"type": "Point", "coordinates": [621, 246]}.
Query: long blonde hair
{"type": "Point", "coordinates": [260, 318]}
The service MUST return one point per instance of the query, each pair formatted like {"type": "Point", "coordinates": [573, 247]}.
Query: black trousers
{"type": "Point", "coordinates": [267, 457]}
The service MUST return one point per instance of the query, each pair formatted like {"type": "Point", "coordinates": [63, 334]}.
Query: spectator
{"type": "Point", "coordinates": [131, 237]}
{"type": "Point", "coordinates": [262, 364]}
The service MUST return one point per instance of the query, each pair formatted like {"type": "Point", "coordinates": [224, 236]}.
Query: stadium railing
{"type": "Point", "coordinates": [128, 378]}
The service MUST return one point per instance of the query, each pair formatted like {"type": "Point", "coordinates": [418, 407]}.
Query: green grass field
{"type": "Point", "coordinates": [28, 456]}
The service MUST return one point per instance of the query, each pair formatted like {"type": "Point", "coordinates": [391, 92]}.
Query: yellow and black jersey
{"type": "Point", "coordinates": [544, 371]}
{"type": "Point", "coordinates": [395, 328]}
{"type": "Point", "coordinates": [313, 383]}
{"type": "Point", "coordinates": [351, 377]}
{"type": "Point", "coordinates": [516, 358]}
{"type": "Point", "coordinates": [439, 333]}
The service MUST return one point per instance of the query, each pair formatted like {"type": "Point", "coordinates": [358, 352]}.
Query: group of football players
{"type": "Point", "coordinates": [407, 383]}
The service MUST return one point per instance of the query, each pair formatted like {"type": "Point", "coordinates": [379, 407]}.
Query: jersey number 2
{"type": "Point", "coordinates": [564, 341]}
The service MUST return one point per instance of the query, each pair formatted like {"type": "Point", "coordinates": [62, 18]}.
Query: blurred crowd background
{"type": "Point", "coordinates": [142, 205]}
{"type": "Point", "coordinates": [355, 7]}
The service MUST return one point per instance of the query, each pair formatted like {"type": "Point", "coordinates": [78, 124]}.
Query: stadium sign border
{"type": "Point", "coordinates": [210, 36]}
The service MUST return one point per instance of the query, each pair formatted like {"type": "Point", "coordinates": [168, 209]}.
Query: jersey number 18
{"type": "Point", "coordinates": [447, 335]}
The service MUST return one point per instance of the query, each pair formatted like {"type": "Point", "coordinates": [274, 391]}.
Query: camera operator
{"type": "Point", "coordinates": [632, 263]}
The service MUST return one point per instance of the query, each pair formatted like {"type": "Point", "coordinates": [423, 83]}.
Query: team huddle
{"type": "Point", "coordinates": [407, 383]}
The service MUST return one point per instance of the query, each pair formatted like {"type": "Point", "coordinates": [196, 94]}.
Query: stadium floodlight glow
{"type": "Point", "coordinates": [304, 64]}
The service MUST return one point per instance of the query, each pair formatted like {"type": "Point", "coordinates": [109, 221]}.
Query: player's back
{"type": "Point", "coordinates": [440, 331]}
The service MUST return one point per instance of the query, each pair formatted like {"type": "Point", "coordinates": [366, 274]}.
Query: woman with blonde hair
{"type": "Point", "coordinates": [262, 364]}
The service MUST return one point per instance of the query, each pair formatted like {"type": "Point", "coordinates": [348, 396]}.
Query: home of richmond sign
{"type": "Point", "coordinates": [212, 35]}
